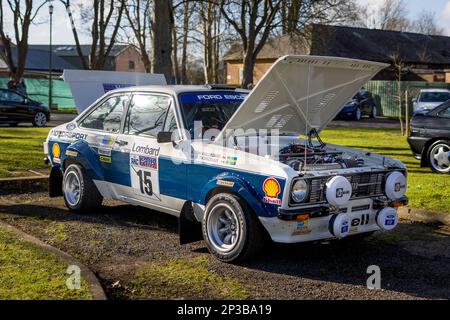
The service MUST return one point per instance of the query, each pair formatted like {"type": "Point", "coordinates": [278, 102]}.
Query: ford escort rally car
{"type": "Point", "coordinates": [236, 167]}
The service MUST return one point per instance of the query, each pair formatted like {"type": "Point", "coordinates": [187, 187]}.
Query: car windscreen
{"type": "Point", "coordinates": [434, 96]}
{"type": "Point", "coordinates": [203, 111]}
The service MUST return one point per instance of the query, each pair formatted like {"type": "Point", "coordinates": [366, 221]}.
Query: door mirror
{"type": "Point", "coordinates": [414, 100]}
{"type": "Point", "coordinates": [164, 137]}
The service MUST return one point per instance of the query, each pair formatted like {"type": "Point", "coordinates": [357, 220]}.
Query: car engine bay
{"type": "Point", "coordinates": [309, 158]}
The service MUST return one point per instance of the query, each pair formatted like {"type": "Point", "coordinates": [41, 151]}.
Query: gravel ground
{"type": "Point", "coordinates": [119, 239]}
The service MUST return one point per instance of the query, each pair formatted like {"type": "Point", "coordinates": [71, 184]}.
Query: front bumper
{"type": "Point", "coordinates": [313, 224]}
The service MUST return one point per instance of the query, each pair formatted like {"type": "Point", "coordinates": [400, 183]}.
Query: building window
{"type": "Point", "coordinates": [131, 64]}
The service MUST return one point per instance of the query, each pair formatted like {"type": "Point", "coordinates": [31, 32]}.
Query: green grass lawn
{"type": "Point", "coordinates": [21, 149]}
{"type": "Point", "coordinates": [426, 190]}
{"type": "Point", "coordinates": [29, 272]}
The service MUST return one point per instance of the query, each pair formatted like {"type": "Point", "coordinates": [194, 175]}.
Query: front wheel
{"type": "Point", "coordinates": [40, 119]}
{"type": "Point", "coordinates": [439, 157]}
{"type": "Point", "coordinates": [231, 231]}
{"type": "Point", "coordinates": [80, 192]}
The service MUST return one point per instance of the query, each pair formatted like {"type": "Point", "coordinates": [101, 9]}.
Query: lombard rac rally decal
{"type": "Point", "coordinates": [56, 151]}
{"type": "Point", "coordinates": [272, 189]}
{"type": "Point", "coordinates": [144, 170]}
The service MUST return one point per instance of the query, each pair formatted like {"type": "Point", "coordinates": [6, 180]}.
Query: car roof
{"type": "Point", "coordinates": [176, 89]}
{"type": "Point", "coordinates": [434, 90]}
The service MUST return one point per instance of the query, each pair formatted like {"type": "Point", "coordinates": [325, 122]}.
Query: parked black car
{"type": "Point", "coordinates": [430, 138]}
{"type": "Point", "coordinates": [361, 104]}
{"type": "Point", "coordinates": [15, 108]}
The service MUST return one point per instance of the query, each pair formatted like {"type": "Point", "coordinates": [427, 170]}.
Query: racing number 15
{"type": "Point", "coordinates": [144, 182]}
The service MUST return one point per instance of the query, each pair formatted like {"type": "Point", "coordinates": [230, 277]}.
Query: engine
{"type": "Point", "coordinates": [303, 158]}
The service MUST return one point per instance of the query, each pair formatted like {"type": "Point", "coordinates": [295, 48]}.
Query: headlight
{"type": "Point", "coordinates": [300, 191]}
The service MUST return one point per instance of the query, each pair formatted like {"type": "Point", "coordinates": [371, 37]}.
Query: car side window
{"type": "Point", "coordinates": [445, 113]}
{"type": "Point", "coordinates": [147, 114]}
{"type": "Point", "coordinates": [107, 116]}
{"type": "Point", "coordinates": [14, 97]}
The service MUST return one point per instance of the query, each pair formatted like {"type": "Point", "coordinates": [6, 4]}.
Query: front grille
{"type": "Point", "coordinates": [363, 185]}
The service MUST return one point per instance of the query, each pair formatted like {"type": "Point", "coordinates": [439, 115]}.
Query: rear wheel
{"type": "Point", "coordinates": [40, 119]}
{"type": "Point", "coordinates": [80, 192]}
{"type": "Point", "coordinates": [439, 157]}
{"type": "Point", "coordinates": [231, 231]}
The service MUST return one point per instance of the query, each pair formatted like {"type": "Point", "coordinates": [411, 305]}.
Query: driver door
{"type": "Point", "coordinates": [154, 178]}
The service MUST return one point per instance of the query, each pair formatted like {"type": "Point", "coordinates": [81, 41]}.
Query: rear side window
{"type": "Point", "coordinates": [107, 116]}
{"type": "Point", "coordinates": [147, 114]}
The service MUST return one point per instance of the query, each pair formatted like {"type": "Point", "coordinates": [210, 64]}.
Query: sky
{"type": "Point", "coordinates": [62, 34]}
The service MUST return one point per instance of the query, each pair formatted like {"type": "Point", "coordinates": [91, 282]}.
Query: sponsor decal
{"type": "Point", "coordinates": [390, 220]}
{"type": "Point", "coordinates": [71, 126]}
{"type": "Point", "coordinates": [107, 140]}
{"type": "Point", "coordinates": [56, 152]}
{"type": "Point", "coordinates": [340, 192]}
{"type": "Point", "coordinates": [231, 161]}
{"type": "Point", "coordinates": [113, 86]}
{"type": "Point", "coordinates": [144, 161]}
{"type": "Point", "coordinates": [104, 152]}
{"type": "Point", "coordinates": [272, 189]}
{"type": "Point", "coordinates": [209, 156]}
{"type": "Point", "coordinates": [398, 186]}
{"type": "Point", "coordinates": [147, 150]}
{"type": "Point", "coordinates": [68, 135]}
{"type": "Point", "coordinates": [225, 183]}
{"type": "Point", "coordinates": [105, 159]}
{"type": "Point", "coordinates": [194, 97]}
{"type": "Point", "coordinates": [364, 220]}
{"type": "Point", "coordinates": [344, 227]}
{"type": "Point", "coordinates": [71, 153]}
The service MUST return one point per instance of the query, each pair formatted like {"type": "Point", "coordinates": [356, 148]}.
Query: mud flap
{"type": "Point", "coordinates": [189, 229]}
{"type": "Point", "coordinates": [55, 183]}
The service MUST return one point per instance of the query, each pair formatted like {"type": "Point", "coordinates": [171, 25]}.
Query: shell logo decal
{"type": "Point", "coordinates": [272, 189]}
{"type": "Point", "coordinates": [56, 151]}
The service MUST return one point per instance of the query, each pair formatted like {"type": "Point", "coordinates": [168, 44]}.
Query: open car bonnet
{"type": "Point", "coordinates": [301, 93]}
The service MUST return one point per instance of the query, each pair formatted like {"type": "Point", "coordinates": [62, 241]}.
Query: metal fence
{"type": "Point", "coordinates": [386, 94]}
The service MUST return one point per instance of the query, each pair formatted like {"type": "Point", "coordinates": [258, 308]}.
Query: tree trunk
{"type": "Point", "coordinates": [176, 67]}
{"type": "Point", "coordinates": [249, 65]}
{"type": "Point", "coordinates": [186, 19]}
{"type": "Point", "coordinates": [162, 23]}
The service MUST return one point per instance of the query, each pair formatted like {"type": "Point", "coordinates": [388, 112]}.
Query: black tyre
{"type": "Point", "coordinates": [230, 229]}
{"type": "Point", "coordinates": [79, 191]}
{"type": "Point", "coordinates": [39, 120]}
{"type": "Point", "coordinates": [438, 157]}
{"type": "Point", "coordinates": [358, 114]}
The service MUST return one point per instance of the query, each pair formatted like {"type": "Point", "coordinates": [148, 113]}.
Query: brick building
{"type": "Point", "coordinates": [424, 57]}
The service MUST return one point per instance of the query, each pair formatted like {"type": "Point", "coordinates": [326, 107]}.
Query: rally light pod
{"type": "Point", "coordinates": [395, 185]}
{"type": "Point", "coordinates": [387, 218]}
{"type": "Point", "coordinates": [339, 225]}
{"type": "Point", "coordinates": [338, 191]}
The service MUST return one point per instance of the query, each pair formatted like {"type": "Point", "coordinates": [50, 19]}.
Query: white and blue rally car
{"type": "Point", "coordinates": [236, 167]}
